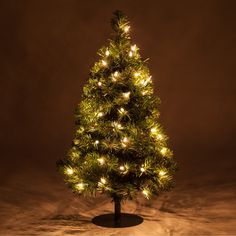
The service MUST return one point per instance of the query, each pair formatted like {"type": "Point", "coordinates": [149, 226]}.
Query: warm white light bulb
{"type": "Point", "coordinates": [126, 29]}
{"type": "Point", "coordinates": [122, 110]}
{"type": "Point", "coordinates": [97, 142]}
{"type": "Point", "coordinates": [133, 48]}
{"type": "Point", "coordinates": [149, 79]}
{"type": "Point", "coordinates": [103, 180]}
{"type": "Point", "coordinates": [125, 140]}
{"type": "Point", "coordinates": [136, 74]}
{"type": "Point", "coordinates": [107, 52]}
{"type": "Point", "coordinates": [153, 130]}
{"type": "Point", "coordinates": [116, 73]}
{"type": "Point", "coordinates": [99, 83]}
{"type": "Point", "coordinates": [101, 161]}
{"type": "Point", "coordinates": [130, 54]}
{"type": "Point", "coordinates": [159, 136]}
{"type": "Point", "coordinates": [126, 95]}
{"type": "Point", "coordinates": [162, 173]}
{"type": "Point", "coordinates": [69, 171]}
{"type": "Point", "coordinates": [142, 169]}
{"type": "Point", "coordinates": [104, 63]}
{"type": "Point", "coordinates": [117, 125]}
{"type": "Point", "coordinates": [122, 168]}
{"type": "Point", "coordinates": [145, 192]}
{"type": "Point", "coordinates": [100, 114]}
{"type": "Point", "coordinates": [163, 150]}
{"type": "Point", "coordinates": [80, 186]}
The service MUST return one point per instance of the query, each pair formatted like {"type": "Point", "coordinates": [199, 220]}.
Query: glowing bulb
{"type": "Point", "coordinates": [144, 92]}
{"type": "Point", "coordinates": [104, 63]}
{"type": "Point", "coordinates": [133, 48]}
{"type": "Point", "coordinates": [162, 173]}
{"type": "Point", "coordinates": [99, 84]}
{"type": "Point", "coordinates": [115, 75]}
{"type": "Point", "coordinates": [122, 168]}
{"type": "Point", "coordinates": [149, 79]}
{"type": "Point", "coordinates": [80, 186]}
{"type": "Point", "coordinates": [107, 52]}
{"type": "Point", "coordinates": [100, 114]}
{"type": "Point", "coordinates": [125, 140]}
{"type": "Point", "coordinates": [103, 180]}
{"type": "Point", "coordinates": [130, 54]}
{"type": "Point", "coordinates": [101, 161]}
{"type": "Point", "coordinates": [117, 125]}
{"type": "Point", "coordinates": [153, 130]}
{"type": "Point", "coordinates": [163, 150]}
{"type": "Point", "coordinates": [122, 110]}
{"type": "Point", "coordinates": [126, 95]}
{"type": "Point", "coordinates": [126, 29]}
{"type": "Point", "coordinates": [159, 136]}
{"type": "Point", "coordinates": [136, 74]}
{"type": "Point", "coordinates": [97, 142]}
{"type": "Point", "coordinates": [142, 169]}
{"type": "Point", "coordinates": [69, 171]}
{"type": "Point", "coordinates": [145, 193]}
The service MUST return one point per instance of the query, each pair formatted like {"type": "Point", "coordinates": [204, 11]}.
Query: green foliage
{"type": "Point", "coordinates": [119, 147]}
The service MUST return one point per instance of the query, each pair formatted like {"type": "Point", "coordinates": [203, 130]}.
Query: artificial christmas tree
{"type": "Point", "coordinates": [119, 147]}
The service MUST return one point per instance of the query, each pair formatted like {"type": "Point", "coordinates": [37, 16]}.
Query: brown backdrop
{"type": "Point", "coordinates": [48, 47]}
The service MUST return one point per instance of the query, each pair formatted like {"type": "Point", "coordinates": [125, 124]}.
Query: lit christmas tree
{"type": "Point", "coordinates": [119, 148]}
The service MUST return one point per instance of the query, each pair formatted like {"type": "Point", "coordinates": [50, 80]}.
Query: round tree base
{"type": "Point", "coordinates": [108, 220]}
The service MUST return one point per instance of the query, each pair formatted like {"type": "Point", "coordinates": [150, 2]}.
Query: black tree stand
{"type": "Point", "coordinates": [117, 219]}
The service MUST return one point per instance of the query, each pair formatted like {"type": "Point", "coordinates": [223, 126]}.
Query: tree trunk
{"type": "Point", "coordinates": [117, 202]}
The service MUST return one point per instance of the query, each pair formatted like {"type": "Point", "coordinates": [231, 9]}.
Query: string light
{"type": "Point", "coordinates": [125, 140]}
{"type": "Point", "coordinates": [149, 79]}
{"type": "Point", "coordinates": [122, 168]}
{"type": "Point", "coordinates": [126, 95]}
{"type": "Point", "coordinates": [99, 84]}
{"type": "Point", "coordinates": [159, 136]}
{"type": "Point", "coordinates": [153, 130]}
{"type": "Point", "coordinates": [103, 180]}
{"type": "Point", "coordinates": [126, 29]}
{"type": "Point", "coordinates": [162, 173]}
{"type": "Point", "coordinates": [107, 52]}
{"type": "Point", "coordinates": [100, 114]}
{"type": "Point", "coordinates": [136, 74]}
{"type": "Point", "coordinates": [133, 48]}
{"type": "Point", "coordinates": [101, 160]}
{"type": "Point", "coordinates": [142, 169]}
{"type": "Point", "coordinates": [117, 125]}
{"type": "Point", "coordinates": [145, 193]}
{"type": "Point", "coordinates": [116, 73]}
{"type": "Point", "coordinates": [163, 150]}
{"type": "Point", "coordinates": [80, 186]}
{"type": "Point", "coordinates": [69, 171]}
{"type": "Point", "coordinates": [97, 142]}
{"type": "Point", "coordinates": [104, 63]}
{"type": "Point", "coordinates": [130, 54]}
{"type": "Point", "coordinates": [144, 92]}
{"type": "Point", "coordinates": [122, 111]}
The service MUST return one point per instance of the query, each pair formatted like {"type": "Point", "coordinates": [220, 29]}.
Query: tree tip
{"type": "Point", "coordinates": [118, 20]}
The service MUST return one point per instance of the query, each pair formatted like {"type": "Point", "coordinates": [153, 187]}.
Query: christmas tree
{"type": "Point", "coordinates": [119, 148]}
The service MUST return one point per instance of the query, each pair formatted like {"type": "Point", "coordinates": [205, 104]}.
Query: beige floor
{"type": "Point", "coordinates": [38, 205]}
